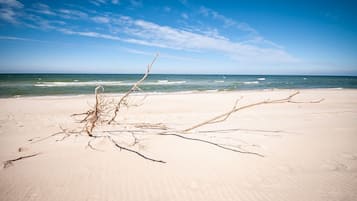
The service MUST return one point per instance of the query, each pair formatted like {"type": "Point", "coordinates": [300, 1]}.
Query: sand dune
{"type": "Point", "coordinates": [310, 150]}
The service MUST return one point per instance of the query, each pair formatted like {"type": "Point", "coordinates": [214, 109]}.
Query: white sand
{"type": "Point", "coordinates": [310, 150]}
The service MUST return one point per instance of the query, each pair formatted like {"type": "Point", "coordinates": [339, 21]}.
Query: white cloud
{"type": "Point", "coordinates": [254, 38]}
{"type": "Point", "coordinates": [9, 10]}
{"type": "Point", "coordinates": [98, 2]}
{"type": "Point", "coordinates": [89, 34]}
{"type": "Point", "coordinates": [43, 8]}
{"type": "Point", "coordinates": [162, 55]}
{"type": "Point", "coordinates": [11, 3]}
{"type": "Point", "coordinates": [101, 19]}
{"type": "Point", "coordinates": [151, 34]}
{"type": "Point", "coordinates": [8, 15]}
{"type": "Point", "coordinates": [20, 39]}
{"type": "Point", "coordinates": [227, 22]}
{"type": "Point", "coordinates": [72, 14]}
{"type": "Point", "coordinates": [146, 33]}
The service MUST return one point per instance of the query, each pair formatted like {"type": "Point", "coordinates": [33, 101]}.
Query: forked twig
{"type": "Point", "coordinates": [224, 116]}
{"type": "Point", "coordinates": [135, 87]}
{"type": "Point", "coordinates": [135, 152]}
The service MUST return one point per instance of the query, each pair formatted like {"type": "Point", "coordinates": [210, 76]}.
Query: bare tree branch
{"type": "Point", "coordinates": [224, 116]}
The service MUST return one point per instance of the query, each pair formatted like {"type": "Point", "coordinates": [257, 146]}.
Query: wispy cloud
{"type": "Point", "coordinates": [72, 14]}
{"type": "Point", "coordinates": [98, 2]}
{"type": "Point", "coordinates": [101, 2]}
{"type": "Point", "coordinates": [21, 39]}
{"type": "Point", "coordinates": [9, 10]}
{"type": "Point", "coordinates": [11, 3]}
{"type": "Point", "coordinates": [89, 34]}
{"type": "Point", "coordinates": [162, 55]}
{"type": "Point", "coordinates": [101, 19]}
{"type": "Point", "coordinates": [146, 33]}
{"type": "Point", "coordinates": [253, 37]}
{"type": "Point", "coordinates": [43, 8]}
{"type": "Point", "coordinates": [227, 22]}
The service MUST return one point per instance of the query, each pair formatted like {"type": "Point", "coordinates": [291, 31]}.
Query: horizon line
{"type": "Point", "coordinates": [222, 74]}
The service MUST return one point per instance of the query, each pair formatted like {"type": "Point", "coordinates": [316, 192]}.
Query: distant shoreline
{"type": "Point", "coordinates": [90, 95]}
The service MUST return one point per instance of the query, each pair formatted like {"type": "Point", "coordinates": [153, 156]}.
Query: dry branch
{"type": "Point", "coordinates": [135, 87]}
{"type": "Point", "coordinates": [224, 116]}
{"type": "Point", "coordinates": [135, 152]}
{"type": "Point", "coordinates": [211, 143]}
{"type": "Point", "coordinates": [106, 111]}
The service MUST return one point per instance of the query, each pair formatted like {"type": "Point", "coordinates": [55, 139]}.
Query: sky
{"type": "Point", "coordinates": [192, 37]}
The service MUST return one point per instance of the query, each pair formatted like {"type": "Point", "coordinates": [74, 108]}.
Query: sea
{"type": "Point", "coordinates": [18, 85]}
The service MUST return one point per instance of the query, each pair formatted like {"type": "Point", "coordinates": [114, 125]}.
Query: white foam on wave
{"type": "Point", "coordinates": [252, 82]}
{"type": "Point", "coordinates": [76, 83]}
{"type": "Point", "coordinates": [261, 78]}
{"type": "Point", "coordinates": [162, 81]}
{"type": "Point", "coordinates": [219, 81]}
{"type": "Point", "coordinates": [165, 82]}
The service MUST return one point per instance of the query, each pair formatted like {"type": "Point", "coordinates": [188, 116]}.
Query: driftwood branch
{"type": "Point", "coordinates": [211, 143]}
{"type": "Point", "coordinates": [135, 87]}
{"type": "Point", "coordinates": [135, 152]}
{"type": "Point", "coordinates": [106, 111]}
{"type": "Point", "coordinates": [224, 116]}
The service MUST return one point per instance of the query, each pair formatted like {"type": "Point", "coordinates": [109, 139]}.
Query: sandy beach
{"type": "Point", "coordinates": [309, 149]}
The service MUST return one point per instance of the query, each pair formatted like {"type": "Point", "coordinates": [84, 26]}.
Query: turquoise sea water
{"type": "Point", "coordinates": [66, 84]}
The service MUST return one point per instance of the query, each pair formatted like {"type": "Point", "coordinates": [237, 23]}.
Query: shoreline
{"type": "Point", "coordinates": [177, 92]}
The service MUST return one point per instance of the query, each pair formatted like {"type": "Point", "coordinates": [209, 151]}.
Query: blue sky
{"type": "Point", "coordinates": [208, 37]}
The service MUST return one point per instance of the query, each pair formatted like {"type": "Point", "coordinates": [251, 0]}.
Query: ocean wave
{"type": "Point", "coordinates": [251, 82]}
{"type": "Point", "coordinates": [76, 83]}
{"type": "Point", "coordinates": [219, 81]}
{"type": "Point", "coordinates": [261, 78]}
{"type": "Point", "coordinates": [165, 82]}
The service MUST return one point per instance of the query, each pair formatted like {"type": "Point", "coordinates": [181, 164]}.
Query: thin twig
{"type": "Point", "coordinates": [135, 152]}
{"type": "Point", "coordinates": [9, 163]}
{"type": "Point", "coordinates": [211, 143]}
